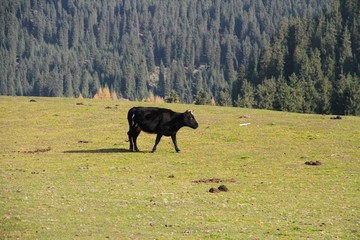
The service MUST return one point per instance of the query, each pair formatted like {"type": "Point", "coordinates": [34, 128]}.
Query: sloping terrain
{"type": "Point", "coordinates": [66, 173]}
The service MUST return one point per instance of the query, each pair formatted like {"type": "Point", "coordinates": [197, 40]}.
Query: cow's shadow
{"type": "Point", "coordinates": [101, 150]}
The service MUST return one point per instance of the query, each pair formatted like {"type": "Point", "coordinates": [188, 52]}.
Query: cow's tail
{"type": "Point", "coordinates": [131, 117]}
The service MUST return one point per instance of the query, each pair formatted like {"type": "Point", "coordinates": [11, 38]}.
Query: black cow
{"type": "Point", "coordinates": [157, 120]}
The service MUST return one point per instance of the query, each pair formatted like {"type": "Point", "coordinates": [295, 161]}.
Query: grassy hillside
{"type": "Point", "coordinates": [65, 173]}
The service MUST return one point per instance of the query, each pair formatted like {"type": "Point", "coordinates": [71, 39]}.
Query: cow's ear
{"type": "Point", "coordinates": [190, 112]}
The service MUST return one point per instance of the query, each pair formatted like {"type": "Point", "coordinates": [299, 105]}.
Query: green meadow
{"type": "Point", "coordinates": [66, 173]}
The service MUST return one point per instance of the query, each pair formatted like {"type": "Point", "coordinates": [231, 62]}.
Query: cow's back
{"type": "Point", "coordinates": [150, 119]}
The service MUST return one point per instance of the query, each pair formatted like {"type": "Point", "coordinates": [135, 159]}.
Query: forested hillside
{"type": "Point", "coordinates": [312, 65]}
{"type": "Point", "coordinates": [287, 55]}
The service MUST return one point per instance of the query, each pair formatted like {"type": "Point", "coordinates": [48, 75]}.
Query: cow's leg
{"type": "Point", "coordinates": [158, 137]}
{"type": "Point", "coordinates": [131, 141]}
{"type": "Point", "coordinates": [137, 132]}
{"type": "Point", "coordinates": [173, 137]}
{"type": "Point", "coordinates": [133, 133]}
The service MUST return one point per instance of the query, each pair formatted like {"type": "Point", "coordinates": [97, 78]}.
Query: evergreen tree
{"type": "Point", "coordinates": [76, 81]}
{"type": "Point", "coordinates": [324, 104]}
{"type": "Point", "coordinates": [142, 77]}
{"type": "Point", "coordinates": [22, 85]}
{"type": "Point", "coordinates": [56, 88]}
{"type": "Point", "coordinates": [264, 62]}
{"type": "Point", "coordinates": [265, 94]}
{"type": "Point", "coordinates": [345, 53]}
{"type": "Point", "coordinates": [173, 97]}
{"type": "Point", "coordinates": [246, 96]}
{"type": "Point", "coordinates": [163, 88]}
{"type": "Point", "coordinates": [238, 83]}
{"type": "Point", "coordinates": [3, 71]}
{"type": "Point", "coordinates": [63, 35]}
{"type": "Point", "coordinates": [224, 98]}
{"type": "Point", "coordinates": [295, 100]}
{"type": "Point", "coordinates": [277, 63]}
{"type": "Point", "coordinates": [202, 98]}
{"type": "Point", "coordinates": [129, 82]}
{"type": "Point", "coordinates": [353, 97]}
{"type": "Point", "coordinates": [346, 96]}
{"type": "Point", "coordinates": [310, 96]}
{"type": "Point", "coordinates": [179, 79]}
{"type": "Point", "coordinates": [94, 84]}
{"type": "Point", "coordinates": [149, 52]}
{"type": "Point", "coordinates": [74, 32]}
{"type": "Point", "coordinates": [283, 94]}
{"type": "Point", "coordinates": [230, 73]}
{"type": "Point", "coordinates": [84, 85]}
{"type": "Point", "coordinates": [68, 88]}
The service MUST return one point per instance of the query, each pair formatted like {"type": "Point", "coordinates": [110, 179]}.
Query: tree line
{"type": "Point", "coordinates": [300, 56]}
{"type": "Point", "coordinates": [312, 65]}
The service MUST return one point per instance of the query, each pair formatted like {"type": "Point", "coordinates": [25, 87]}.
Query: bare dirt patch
{"type": "Point", "coordinates": [39, 150]}
{"type": "Point", "coordinates": [115, 108]}
{"type": "Point", "coordinates": [313, 163]}
{"type": "Point", "coordinates": [213, 180]}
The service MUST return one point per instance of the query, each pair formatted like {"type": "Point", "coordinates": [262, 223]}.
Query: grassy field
{"type": "Point", "coordinates": [66, 173]}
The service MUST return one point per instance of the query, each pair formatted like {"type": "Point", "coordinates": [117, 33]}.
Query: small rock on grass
{"type": "Point", "coordinates": [214, 190]}
{"type": "Point", "coordinates": [221, 188]}
{"type": "Point", "coordinates": [313, 163]}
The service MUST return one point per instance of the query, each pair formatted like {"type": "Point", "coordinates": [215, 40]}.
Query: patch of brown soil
{"type": "Point", "coordinates": [313, 163]}
{"type": "Point", "coordinates": [213, 180]}
{"type": "Point", "coordinates": [39, 150]}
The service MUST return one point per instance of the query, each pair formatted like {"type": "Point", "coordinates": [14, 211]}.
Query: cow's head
{"type": "Point", "coordinates": [189, 119]}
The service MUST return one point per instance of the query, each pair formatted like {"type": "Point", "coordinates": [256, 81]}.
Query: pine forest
{"type": "Point", "coordinates": [286, 55]}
